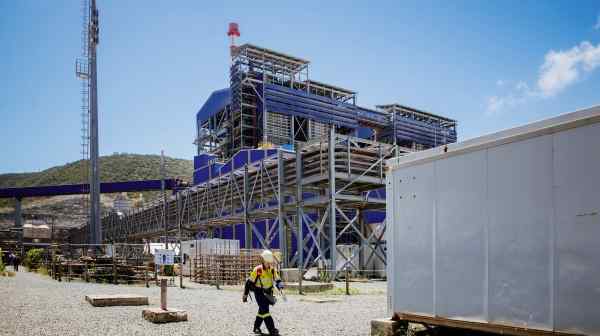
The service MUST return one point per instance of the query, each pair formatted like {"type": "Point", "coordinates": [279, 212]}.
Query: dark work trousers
{"type": "Point", "coordinates": [263, 311]}
{"type": "Point", "coordinates": [263, 304]}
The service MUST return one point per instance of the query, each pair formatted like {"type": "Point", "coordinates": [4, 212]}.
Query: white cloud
{"type": "Point", "coordinates": [494, 104]}
{"type": "Point", "coordinates": [563, 68]}
{"type": "Point", "coordinates": [515, 96]}
{"type": "Point", "coordinates": [560, 70]}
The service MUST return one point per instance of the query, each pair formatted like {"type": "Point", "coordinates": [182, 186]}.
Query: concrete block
{"type": "Point", "coordinates": [106, 300]}
{"type": "Point", "coordinates": [310, 287]}
{"type": "Point", "coordinates": [319, 300]}
{"type": "Point", "coordinates": [157, 315]}
{"type": "Point", "coordinates": [289, 274]}
{"type": "Point", "coordinates": [385, 327]}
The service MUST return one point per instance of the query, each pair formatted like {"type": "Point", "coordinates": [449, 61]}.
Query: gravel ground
{"type": "Point", "coordinates": [31, 304]}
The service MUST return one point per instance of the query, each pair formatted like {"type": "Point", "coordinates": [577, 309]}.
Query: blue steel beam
{"type": "Point", "coordinates": [76, 189]}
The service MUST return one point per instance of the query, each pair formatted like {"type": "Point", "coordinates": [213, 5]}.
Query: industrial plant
{"type": "Point", "coordinates": [299, 189]}
{"type": "Point", "coordinates": [287, 162]}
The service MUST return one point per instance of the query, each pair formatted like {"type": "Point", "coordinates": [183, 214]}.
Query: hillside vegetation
{"type": "Point", "coordinates": [113, 168]}
{"type": "Point", "coordinates": [118, 167]}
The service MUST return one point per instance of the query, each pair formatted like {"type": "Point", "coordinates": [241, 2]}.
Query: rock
{"type": "Point", "coordinates": [157, 315]}
{"type": "Point", "coordinates": [385, 327]}
{"type": "Point", "coordinates": [312, 274]}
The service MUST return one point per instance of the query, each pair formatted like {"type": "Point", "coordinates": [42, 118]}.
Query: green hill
{"type": "Point", "coordinates": [113, 168]}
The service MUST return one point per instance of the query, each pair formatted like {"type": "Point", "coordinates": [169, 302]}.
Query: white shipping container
{"type": "Point", "coordinates": [502, 229]}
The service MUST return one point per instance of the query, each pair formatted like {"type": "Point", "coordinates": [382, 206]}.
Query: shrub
{"type": "Point", "coordinates": [168, 270]}
{"type": "Point", "coordinates": [3, 271]}
{"type": "Point", "coordinates": [42, 270]}
{"type": "Point", "coordinates": [33, 258]}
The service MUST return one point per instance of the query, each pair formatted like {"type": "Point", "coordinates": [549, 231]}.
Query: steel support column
{"type": "Point", "coordinates": [332, 204]}
{"type": "Point", "coordinates": [299, 211]}
{"type": "Point", "coordinates": [245, 197]}
{"type": "Point", "coordinates": [361, 254]}
{"type": "Point", "coordinates": [283, 242]}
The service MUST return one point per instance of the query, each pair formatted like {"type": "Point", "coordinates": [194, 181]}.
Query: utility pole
{"type": "Point", "coordinates": [164, 196]}
{"type": "Point", "coordinates": [179, 219]}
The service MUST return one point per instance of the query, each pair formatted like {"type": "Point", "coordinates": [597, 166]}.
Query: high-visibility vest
{"type": "Point", "coordinates": [264, 278]}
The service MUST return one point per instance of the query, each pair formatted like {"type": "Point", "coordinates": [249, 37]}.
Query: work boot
{"type": "Point", "coordinates": [271, 326]}
{"type": "Point", "coordinates": [257, 323]}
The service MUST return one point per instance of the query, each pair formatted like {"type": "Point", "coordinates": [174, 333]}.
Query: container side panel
{"type": "Point", "coordinates": [577, 201]}
{"type": "Point", "coordinates": [460, 252]}
{"type": "Point", "coordinates": [413, 230]}
{"type": "Point", "coordinates": [391, 204]}
{"type": "Point", "coordinates": [520, 226]}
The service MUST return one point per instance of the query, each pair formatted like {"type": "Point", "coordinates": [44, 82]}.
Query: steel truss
{"type": "Point", "coordinates": [326, 185]}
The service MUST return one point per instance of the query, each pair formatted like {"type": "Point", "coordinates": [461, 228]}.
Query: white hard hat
{"type": "Point", "coordinates": [267, 256]}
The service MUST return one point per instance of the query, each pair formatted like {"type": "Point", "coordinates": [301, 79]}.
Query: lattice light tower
{"type": "Point", "coordinates": [86, 70]}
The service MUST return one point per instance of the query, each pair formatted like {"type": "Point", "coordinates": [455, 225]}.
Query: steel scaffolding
{"type": "Point", "coordinates": [246, 121]}
{"type": "Point", "coordinates": [317, 194]}
{"type": "Point", "coordinates": [306, 202]}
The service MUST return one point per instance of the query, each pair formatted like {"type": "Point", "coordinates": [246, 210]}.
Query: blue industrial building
{"type": "Point", "coordinates": [283, 160]}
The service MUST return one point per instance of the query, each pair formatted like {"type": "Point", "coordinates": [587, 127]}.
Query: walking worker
{"type": "Point", "coordinates": [16, 262]}
{"type": "Point", "coordinates": [261, 282]}
{"type": "Point", "coordinates": [11, 259]}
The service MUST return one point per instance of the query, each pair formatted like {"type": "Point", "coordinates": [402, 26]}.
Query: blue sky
{"type": "Point", "coordinates": [489, 64]}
